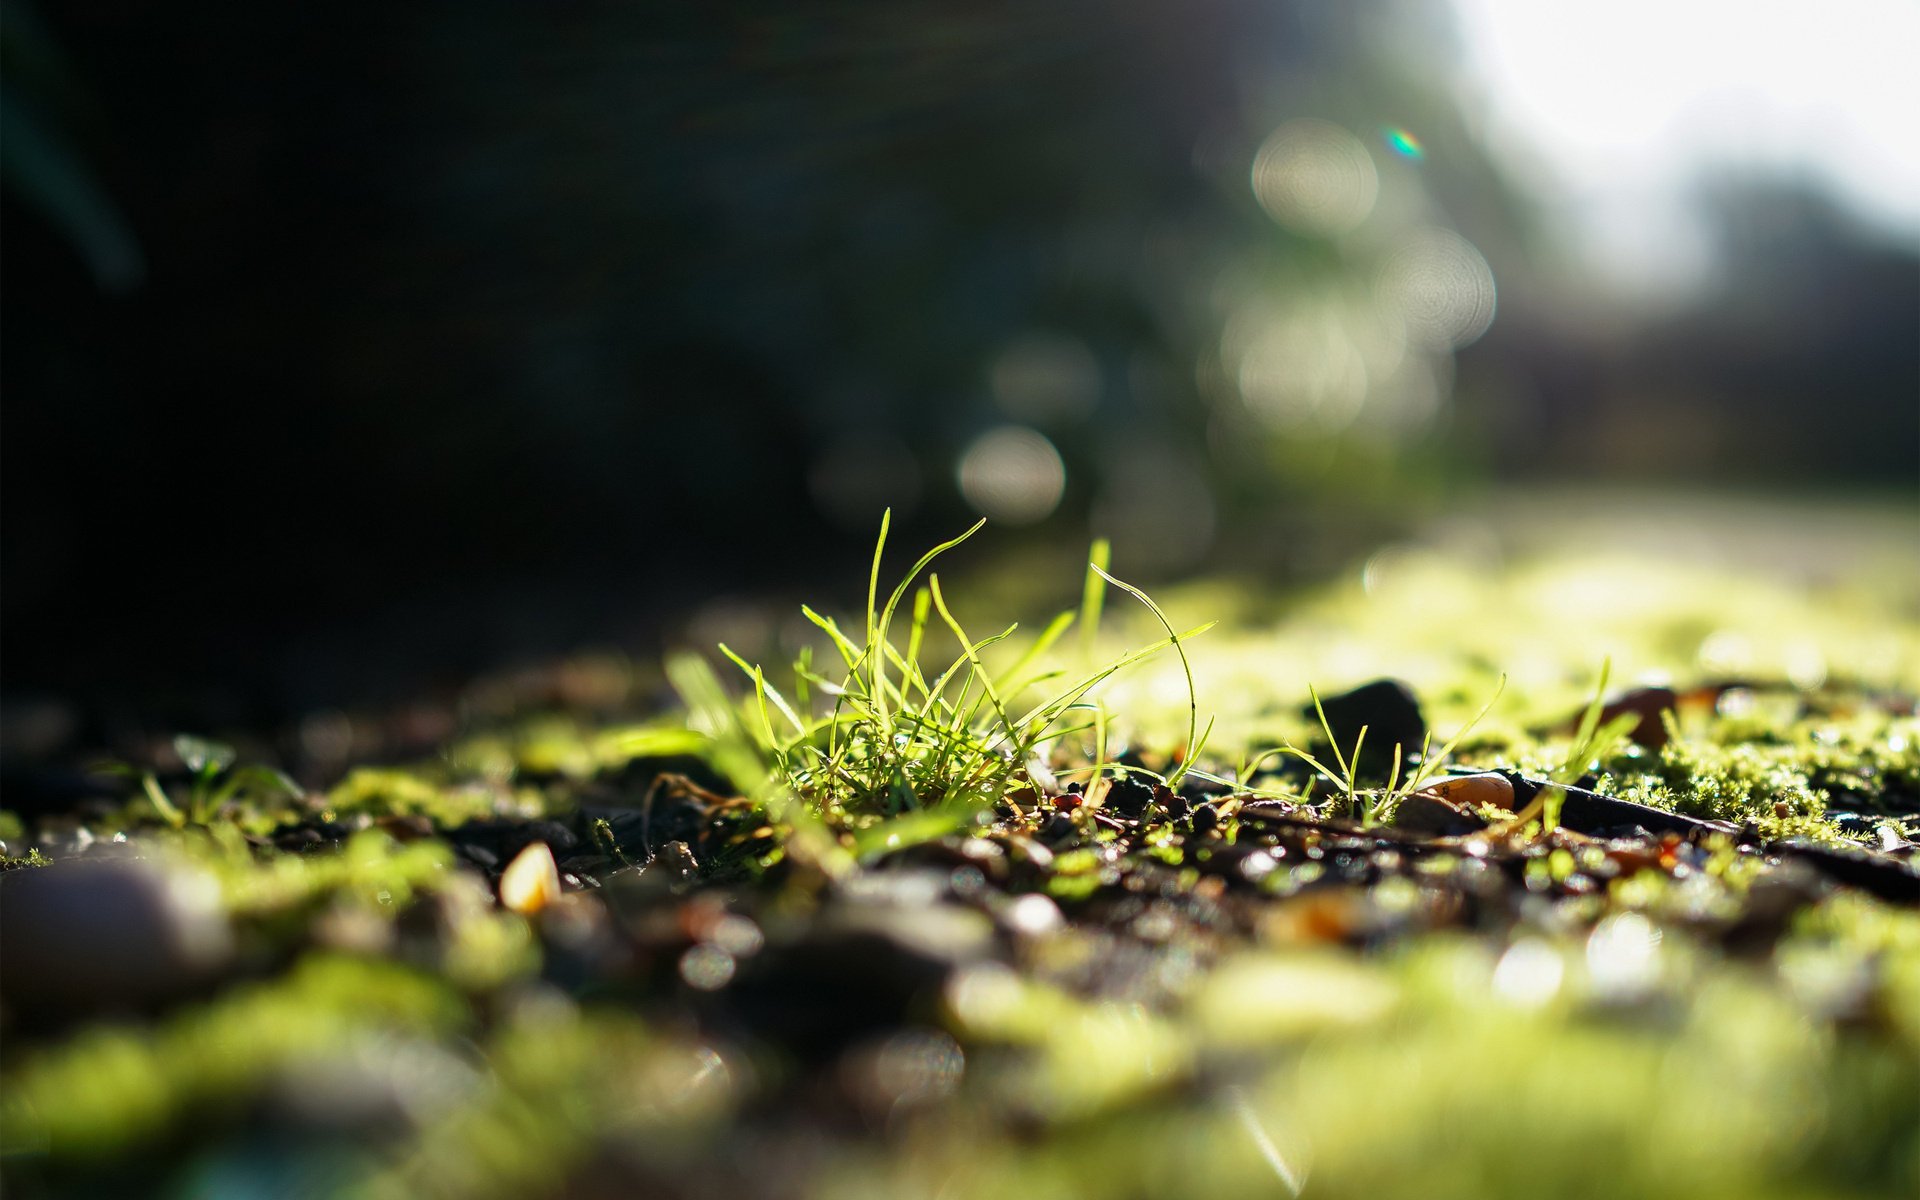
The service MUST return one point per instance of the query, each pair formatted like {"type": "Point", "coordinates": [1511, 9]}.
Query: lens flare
{"type": "Point", "coordinates": [1402, 142]}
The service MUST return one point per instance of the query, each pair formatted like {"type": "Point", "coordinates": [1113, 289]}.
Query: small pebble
{"type": "Point", "coordinates": [531, 881]}
{"type": "Point", "coordinates": [1425, 812]}
{"type": "Point", "coordinates": [1471, 791]}
{"type": "Point", "coordinates": [91, 934]}
{"type": "Point", "coordinates": [1128, 797]}
{"type": "Point", "coordinates": [1647, 703]}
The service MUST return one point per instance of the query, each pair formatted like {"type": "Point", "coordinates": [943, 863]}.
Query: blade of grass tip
{"type": "Point", "coordinates": [1353, 775]}
{"type": "Point", "coordinates": [1589, 720]}
{"type": "Point", "coordinates": [1327, 728]}
{"type": "Point", "coordinates": [1088, 682]}
{"type": "Point", "coordinates": [1428, 767]}
{"type": "Point", "coordinates": [1193, 752]}
{"type": "Point", "coordinates": [1032, 653]}
{"type": "Point", "coordinates": [972, 652]}
{"type": "Point", "coordinates": [1093, 594]}
{"type": "Point", "coordinates": [876, 661]}
{"type": "Point", "coordinates": [1186, 667]}
{"type": "Point", "coordinates": [767, 691]}
{"type": "Point", "coordinates": [169, 812]}
{"type": "Point", "coordinates": [878, 634]}
{"type": "Point", "coordinates": [1447, 750]}
{"type": "Point", "coordinates": [1393, 782]}
{"type": "Point", "coordinates": [922, 608]}
{"type": "Point", "coordinates": [831, 628]}
{"type": "Point", "coordinates": [802, 669]}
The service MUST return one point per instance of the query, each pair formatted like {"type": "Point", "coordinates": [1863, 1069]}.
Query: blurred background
{"type": "Point", "coordinates": [349, 346]}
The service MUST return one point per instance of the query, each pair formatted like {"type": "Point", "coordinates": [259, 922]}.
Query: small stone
{"type": "Point", "coordinates": [864, 968]}
{"type": "Point", "coordinates": [93, 934]}
{"type": "Point", "coordinates": [1472, 791]}
{"type": "Point", "coordinates": [1129, 797]}
{"type": "Point", "coordinates": [1424, 812]}
{"type": "Point", "coordinates": [1648, 704]}
{"type": "Point", "coordinates": [531, 881]}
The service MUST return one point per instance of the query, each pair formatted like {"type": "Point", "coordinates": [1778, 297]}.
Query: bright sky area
{"type": "Point", "coordinates": [1620, 105]}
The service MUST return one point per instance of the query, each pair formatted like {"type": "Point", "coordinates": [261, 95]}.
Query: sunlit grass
{"type": "Point", "coordinates": [894, 750]}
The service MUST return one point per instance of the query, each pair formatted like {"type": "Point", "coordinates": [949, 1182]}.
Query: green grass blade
{"type": "Point", "coordinates": [766, 690]}
{"type": "Point", "coordinates": [1186, 667]}
{"type": "Point", "coordinates": [1088, 682]}
{"type": "Point", "coordinates": [848, 651]}
{"type": "Point", "coordinates": [876, 661]}
{"type": "Point", "coordinates": [168, 811]}
{"type": "Point", "coordinates": [877, 631]}
{"type": "Point", "coordinates": [1093, 594]}
{"type": "Point", "coordinates": [1346, 769]}
{"type": "Point", "coordinates": [972, 652]}
{"type": "Point", "coordinates": [1040, 646]}
{"type": "Point", "coordinates": [1430, 765]}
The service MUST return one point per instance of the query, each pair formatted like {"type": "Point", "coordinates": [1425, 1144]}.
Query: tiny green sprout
{"type": "Point", "coordinates": [1346, 775]}
{"type": "Point", "coordinates": [1194, 743]}
{"type": "Point", "coordinates": [1345, 771]}
{"type": "Point", "coordinates": [892, 751]}
{"type": "Point", "coordinates": [214, 783]}
{"type": "Point", "coordinates": [1592, 743]}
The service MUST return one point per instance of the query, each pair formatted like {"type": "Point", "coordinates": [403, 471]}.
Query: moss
{"type": "Point", "coordinates": [111, 1088]}
{"type": "Point", "coordinates": [1440, 1032]}
{"type": "Point", "coordinates": [1744, 781]}
{"type": "Point", "coordinates": [395, 792]}
{"type": "Point", "coordinates": [32, 858]}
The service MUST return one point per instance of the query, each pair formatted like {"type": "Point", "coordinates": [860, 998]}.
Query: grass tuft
{"type": "Point", "coordinates": [893, 750]}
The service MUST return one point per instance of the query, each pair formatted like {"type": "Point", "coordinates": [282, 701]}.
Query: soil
{"type": "Point", "coordinates": [1120, 993]}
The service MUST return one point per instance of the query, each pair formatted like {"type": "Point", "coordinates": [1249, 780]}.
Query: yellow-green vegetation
{"type": "Point", "coordinates": [983, 916]}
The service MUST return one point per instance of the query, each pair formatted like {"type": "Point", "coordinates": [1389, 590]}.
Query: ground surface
{"type": "Point", "coordinates": [813, 963]}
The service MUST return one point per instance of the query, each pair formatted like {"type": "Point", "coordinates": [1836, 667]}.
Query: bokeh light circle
{"type": "Point", "coordinates": [1440, 287]}
{"type": "Point", "coordinates": [1315, 178]}
{"type": "Point", "coordinates": [1012, 475]}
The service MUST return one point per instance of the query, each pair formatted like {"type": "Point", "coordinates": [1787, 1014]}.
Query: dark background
{"type": "Point", "coordinates": [348, 346]}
